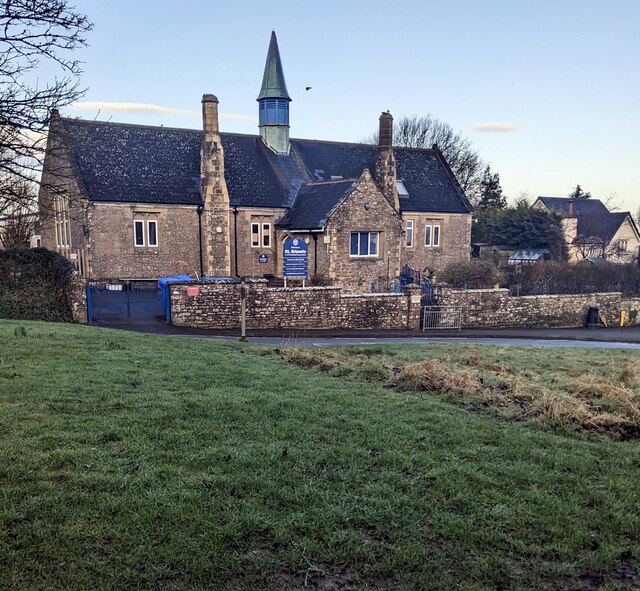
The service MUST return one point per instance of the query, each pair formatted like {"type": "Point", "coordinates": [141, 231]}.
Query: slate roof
{"type": "Point", "coordinates": [580, 206]}
{"type": "Point", "coordinates": [602, 226]}
{"type": "Point", "coordinates": [134, 163]}
{"type": "Point", "coordinates": [314, 203]}
{"type": "Point", "coordinates": [594, 219]}
{"type": "Point", "coordinates": [142, 164]}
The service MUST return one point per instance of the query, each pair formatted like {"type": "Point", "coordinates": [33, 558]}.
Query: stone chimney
{"type": "Point", "coordinates": [210, 113]}
{"type": "Point", "coordinates": [386, 175]}
{"type": "Point", "coordinates": [570, 208]}
{"type": "Point", "coordinates": [215, 196]}
{"type": "Point", "coordinates": [385, 133]}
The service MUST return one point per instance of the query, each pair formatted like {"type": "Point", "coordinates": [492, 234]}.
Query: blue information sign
{"type": "Point", "coordinates": [295, 258]}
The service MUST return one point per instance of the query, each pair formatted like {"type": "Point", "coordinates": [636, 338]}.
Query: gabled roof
{"type": "Point", "coordinates": [431, 187]}
{"type": "Point", "coordinates": [143, 164]}
{"type": "Point", "coordinates": [580, 206]}
{"type": "Point", "coordinates": [594, 219]}
{"type": "Point", "coordinates": [273, 84]}
{"type": "Point", "coordinates": [135, 163]}
{"type": "Point", "coordinates": [314, 203]}
{"type": "Point", "coordinates": [603, 226]}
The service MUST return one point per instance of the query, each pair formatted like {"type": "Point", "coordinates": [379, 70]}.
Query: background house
{"type": "Point", "coordinates": [591, 230]}
{"type": "Point", "coordinates": [140, 202]}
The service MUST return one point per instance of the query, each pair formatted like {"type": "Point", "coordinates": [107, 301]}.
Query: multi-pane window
{"type": "Point", "coordinates": [260, 235]}
{"type": "Point", "coordinates": [623, 245]}
{"type": "Point", "coordinates": [432, 235]}
{"type": "Point", "coordinates": [409, 233]}
{"type": "Point", "coordinates": [145, 231]}
{"type": "Point", "coordinates": [364, 244]}
{"type": "Point", "coordinates": [62, 222]}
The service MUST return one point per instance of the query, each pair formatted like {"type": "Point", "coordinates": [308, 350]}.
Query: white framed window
{"type": "Point", "coordinates": [138, 232]}
{"type": "Point", "coordinates": [62, 222]}
{"type": "Point", "coordinates": [427, 235]}
{"type": "Point", "coordinates": [623, 245]}
{"type": "Point", "coordinates": [261, 235]}
{"type": "Point", "coordinates": [409, 234]}
{"type": "Point", "coordinates": [152, 233]}
{"type": "Point", "coordinates": [432, 235]}
{"type": "Point", "coordinates": [266, 235]}
{"type": "Point", "coordinates": [145, 230]}
{"type": "Point", "coordinates": [364, 244]}
{"type": "Point", "coordinates": [255, 235]}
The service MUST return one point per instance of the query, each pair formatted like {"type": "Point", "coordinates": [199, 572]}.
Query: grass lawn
{"type": "Point", "coordinates": [134, 461]}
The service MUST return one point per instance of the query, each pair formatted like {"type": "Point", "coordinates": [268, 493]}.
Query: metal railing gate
{"type": "Point", "coordinates": [434, 317]}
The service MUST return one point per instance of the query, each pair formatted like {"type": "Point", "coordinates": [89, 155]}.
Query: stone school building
{"type": "Point", "coordinates": [141, 202]}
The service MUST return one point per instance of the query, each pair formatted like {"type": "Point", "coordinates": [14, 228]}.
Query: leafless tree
{"type": "Point", "coordinates": [423, 131]}
{"type": "Point", "coordinates": [34, 33]}
{"type": "Point", "coordinates": [18, 216]}
{"type": "Point", "coordinates": [18, 229]}
{"type": "Point", "coordinates": [599, 247]}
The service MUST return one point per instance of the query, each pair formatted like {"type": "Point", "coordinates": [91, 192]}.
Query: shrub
{"type": "Point", "coordinates": [34, 285]}
{"type": "Point", "coordinates": [473, 274]}
{"type": "Point", "coordinates": [551, 277]}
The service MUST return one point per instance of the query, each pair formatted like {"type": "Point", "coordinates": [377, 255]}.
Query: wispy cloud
{"type": "Point", "coordinates": [496, 127]}
{"type": "Point", "coordinates": [113, 107]}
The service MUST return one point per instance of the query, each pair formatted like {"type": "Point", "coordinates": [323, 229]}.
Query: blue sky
{"type": "Point", "coordinates": [563, 74]}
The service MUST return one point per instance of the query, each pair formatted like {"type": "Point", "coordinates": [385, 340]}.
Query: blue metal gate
{"type": "Point", "coordinates": [139, 304]}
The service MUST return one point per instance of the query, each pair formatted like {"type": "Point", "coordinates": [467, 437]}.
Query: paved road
{"type": "Point", "coordinates": [608, 338]}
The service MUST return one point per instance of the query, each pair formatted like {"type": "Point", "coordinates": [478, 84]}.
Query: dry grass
{"type": "Point", "coordinates": [436, 375]}
{"type": "Point", "coordinates": [604, 398]}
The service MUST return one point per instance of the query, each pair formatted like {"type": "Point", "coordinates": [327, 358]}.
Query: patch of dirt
{"type": "Point", "coordinates": [623, 577]}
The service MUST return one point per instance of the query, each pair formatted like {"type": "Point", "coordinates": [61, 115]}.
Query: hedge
{"type": "Point", "coordinates": [34, 285]}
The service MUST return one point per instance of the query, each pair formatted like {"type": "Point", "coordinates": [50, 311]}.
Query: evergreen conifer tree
{"type": "Point", "coordinates": [578, 193]}
{"type": "Point", "coordinates": [491, 196]}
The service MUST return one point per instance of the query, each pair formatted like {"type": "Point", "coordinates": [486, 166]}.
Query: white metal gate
{"type": "Point", "coordinates": [442, 317]}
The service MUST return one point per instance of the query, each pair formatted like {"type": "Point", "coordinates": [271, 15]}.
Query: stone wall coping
{"type": "Point", "coordinates": [552, 296]}
{"type": "Point", "coordinates": [256, 280]}
{"type": "Point", "coordinates": [372, 295]}
{"type": "Point", "coordinates": [312, 288]}
{"type": "Point", "coordinates": [484, 290]}
{"type": "Point", "coordinates": [221, 281]}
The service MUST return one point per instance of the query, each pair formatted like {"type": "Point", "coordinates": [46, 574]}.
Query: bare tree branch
{"type": "Point", "coordinates": [33, 33]}
{"type": "Point", "coordinates": [422, 132]}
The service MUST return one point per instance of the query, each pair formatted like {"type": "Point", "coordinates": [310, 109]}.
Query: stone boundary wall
{"type": "Point", "coordinates": [495, 308]}
{"type": "Point", "coordinates": [631, 307]}
{"type": "Point", "coordinates": [217, 306]}
{"type": "Point", "coordinates": [77, 295]}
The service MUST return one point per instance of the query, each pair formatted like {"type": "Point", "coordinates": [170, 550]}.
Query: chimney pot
{"type": "Point", "coordinates": [570, 208]}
